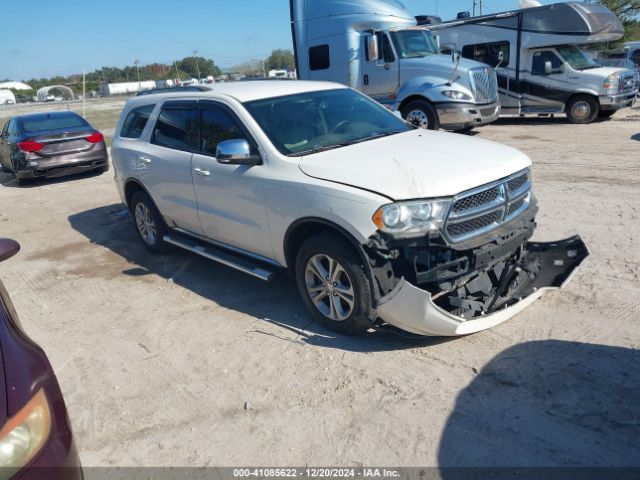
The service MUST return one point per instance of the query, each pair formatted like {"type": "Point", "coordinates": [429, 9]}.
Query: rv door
{"type": "Point", "coordinates": [380, 74]}
{"type": "Point", "coordinates": [546, 79]}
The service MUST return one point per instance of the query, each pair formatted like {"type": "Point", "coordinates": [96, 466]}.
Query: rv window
{"type": "Point", "coordinates": [319, 57]}
{"type": "Point", "coordinates": [578, 59]}
{"type": "Point", "coordinates": [540, 58]}
{"type": "Point", "coordinates": [635, 58]}
{"type": "Point", "coordinates": [488, 53]}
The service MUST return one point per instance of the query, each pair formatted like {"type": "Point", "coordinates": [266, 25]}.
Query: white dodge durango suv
{"type": "Point", "coordinates": [382, 225]}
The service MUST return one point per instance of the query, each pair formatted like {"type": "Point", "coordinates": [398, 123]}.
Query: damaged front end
{"type": "Point", "coordinates": [435, 286]}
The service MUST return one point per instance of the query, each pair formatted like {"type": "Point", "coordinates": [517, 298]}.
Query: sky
{"type": "Point", "coordinates": [42, 38]}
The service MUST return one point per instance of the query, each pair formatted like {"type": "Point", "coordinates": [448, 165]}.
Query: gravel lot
{"type": "Point", "coordinates": [175, 360]}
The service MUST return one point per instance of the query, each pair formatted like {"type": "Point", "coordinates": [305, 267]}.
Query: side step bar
{"type": "Point", "coordinates": [220, 255]}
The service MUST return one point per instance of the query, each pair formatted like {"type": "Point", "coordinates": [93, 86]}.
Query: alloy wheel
{"type": "Point", "coordinates": [146, 225]}
{"type": "Point", "coordinates": [329, 287]}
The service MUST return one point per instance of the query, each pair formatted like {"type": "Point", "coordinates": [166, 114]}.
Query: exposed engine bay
{"type": "Point", "coordinates": [479, 276]}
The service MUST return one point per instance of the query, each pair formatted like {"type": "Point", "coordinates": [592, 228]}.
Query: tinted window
{"type": "Point", "coordinates": [53, 122]}
{"type": "Point", "coordinates": [217, 125]}
{"type": "Point", "coordinates": [540, 58]}
{"type": "Point", "coordinates": [175, 127]}
{"type": "Point", "coordinates": [488, 53]}
{"type": "Point", "coordinates": [319, 57]}
{"type": "Point", "coordinates": [136, 121]}
{"type": "Point", "coordinates": [635, 58]}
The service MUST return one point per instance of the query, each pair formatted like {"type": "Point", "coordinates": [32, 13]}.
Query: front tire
{"type": "Point", "coordinates": [334, 285]}
{"type": "Point", "coordinates": [582, 109]}
{"type": "Point", "coordinates": [421, 113]}
{"type": "Point", "coordinates": [148, 223]}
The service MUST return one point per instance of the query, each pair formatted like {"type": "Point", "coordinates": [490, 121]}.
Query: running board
{"type": "Point", "coordinates": [219, 255]}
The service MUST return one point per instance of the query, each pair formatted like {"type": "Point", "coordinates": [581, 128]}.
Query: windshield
{"type": "Point", "coordinates": [52, 122]}
{"type": "Point", "coordinates": [316, 121]}
{"type": "Point", "coordinates": [577, 58]}
{"type": "Point", "coordinates": [414, 43]}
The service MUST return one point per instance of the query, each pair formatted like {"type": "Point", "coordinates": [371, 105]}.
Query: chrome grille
{"type": "Point", "coordinates": [485, 208]}
{"type": "Point", "coordinates": [627, 83]}
{"type": "Point", "coordinates": [484, 84]}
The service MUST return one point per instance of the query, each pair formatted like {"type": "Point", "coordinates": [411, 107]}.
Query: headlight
{"type": "Point", "coordinates": [456, 95]}
{"type": "Point", "coordinates": [417, 217]}
{"type": "Point", "coordinates": [612, 84]}
{"type": "Point", "coordinates": [24, 435]}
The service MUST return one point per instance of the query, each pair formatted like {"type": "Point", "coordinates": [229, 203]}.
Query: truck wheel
{"type": "Point", "coordinates": [421, 114]}
{"type": "Point", "coordinates": [149, 223]}
{"type": "Point", "coordinates": [333, 284]}
{"type": "Point", "coordinates": [582, 109]}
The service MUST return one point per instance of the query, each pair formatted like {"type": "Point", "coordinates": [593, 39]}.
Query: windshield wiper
{"type": "Point", "coordinates": [324, 148]}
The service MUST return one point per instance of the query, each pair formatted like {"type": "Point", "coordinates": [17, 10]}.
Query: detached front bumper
{"type": "Point", "coordinates": [413, 309]}
{"type": "Point", "coordinates": [616, 102]}
{"type": "Point", "coordinates": [457, 116]}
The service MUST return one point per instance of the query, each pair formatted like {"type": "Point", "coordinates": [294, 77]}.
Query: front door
{"type": "Point", "coordinates": [546, 91]}
{"type": "Point", "coordinates": [381, 78]}
{"type": "Point", "coordinates": [164, 164]}
{"type": "Point", "coordinates": [231, 202]}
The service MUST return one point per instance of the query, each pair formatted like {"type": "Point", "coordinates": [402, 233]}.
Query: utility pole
{"type": "Point", "coordinates": [195, 56]}
{"type": "Point", "coordinates": [137, 62]}
{"type": "Point", "coordinates": [175, 64]}
{"type": "Point", "coordinates": [84, 94]}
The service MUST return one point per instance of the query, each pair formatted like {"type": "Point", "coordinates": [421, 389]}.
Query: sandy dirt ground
{"type": "Point", "coordinates": [175, 360]}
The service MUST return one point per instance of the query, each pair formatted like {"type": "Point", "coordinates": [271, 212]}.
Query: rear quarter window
{"type": "Point", "coordinates": [136, 120]}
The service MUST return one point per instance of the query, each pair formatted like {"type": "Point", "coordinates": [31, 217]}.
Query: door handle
{"type": "Point", "coordinates": [202, 173]}
{"type": "Point", "coordinates": [144, 159]}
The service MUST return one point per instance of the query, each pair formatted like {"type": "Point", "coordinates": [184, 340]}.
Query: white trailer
{"type": "Point", "coordinates": [124, 88]}
{"type": "Point", "coordinates": [541, 66]}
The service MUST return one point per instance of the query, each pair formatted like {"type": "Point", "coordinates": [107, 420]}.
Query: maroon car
{"type": "Point", "coordinates": [35, 433]}
{"type": "Point", "coordinates": [51, 144]}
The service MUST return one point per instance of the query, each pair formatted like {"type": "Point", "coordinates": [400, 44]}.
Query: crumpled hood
{"type": "Point", "coordinates": [416, 164]}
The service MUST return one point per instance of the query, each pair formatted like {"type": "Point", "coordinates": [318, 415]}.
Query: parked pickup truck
{"type": "Point", "coordinates": [382, 224]}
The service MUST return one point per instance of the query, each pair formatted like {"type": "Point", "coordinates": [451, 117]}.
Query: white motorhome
{"type": "Point", "coordinates": [541, 66]}
{"type": "Point", "coordinates": [376, 47]}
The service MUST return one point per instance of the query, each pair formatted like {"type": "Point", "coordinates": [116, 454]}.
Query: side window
{"type": "Point", "coordinates": [136, 121]}
{"type": "Point", "coordinates": [175, 126]}
{"type": "Point", "coordinates": [635, 58]}
{"type": "Point", "coordinates": [387, 51]}
{"type": "Point", "coordinates": [540, 58]}
{"type": "Point", "coordinates": [319, 57]}
{"type": "Point", "coordinates": [218, 125]}
{"type": "Point", "coordinates": [488, 53]}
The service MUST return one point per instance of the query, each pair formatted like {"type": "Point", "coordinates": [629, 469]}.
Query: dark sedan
{"type": "Point", "coordinates": [35, 434]}
{"type": "Point", "coordinates": [51, 144]}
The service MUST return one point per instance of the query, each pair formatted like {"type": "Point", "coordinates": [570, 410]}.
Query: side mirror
{"type": "Point", "coordinates": [548, 68]}
{"type": "Point", "coordinates": [455, 56]}
{"type": "Point", "coordinates": [8, 248]}
{"type": "Point", "coordinates": [372, 48]}
{"type": "Point", "coordinates": [236, 152]}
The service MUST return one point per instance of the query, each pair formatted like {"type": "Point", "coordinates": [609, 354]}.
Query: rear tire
{"type": "Point", "coordinates": [148, 223]}
{"type": "Point", "coordinates": [582, 109]}
{"type": "Point", "coordinates": [334, 285]}
{"type": "Point", "coordinates": [421, 114]}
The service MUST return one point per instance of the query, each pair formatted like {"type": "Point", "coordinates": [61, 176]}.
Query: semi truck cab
{"type": "Point", "coordinates": [376, 47]}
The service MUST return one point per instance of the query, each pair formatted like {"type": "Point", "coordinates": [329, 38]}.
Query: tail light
{"type": "Point", "coordinates": [95, 138]}
{"type": "Point", "coordinates": [30, 146]}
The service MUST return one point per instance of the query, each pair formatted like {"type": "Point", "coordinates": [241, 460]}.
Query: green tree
{"type": "Point", "coordinates": [191, 65]}
{"type": "Point", "coordinates": [280, 60]}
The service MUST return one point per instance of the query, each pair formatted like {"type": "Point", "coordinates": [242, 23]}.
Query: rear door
{"type": "Point", "coordinates": [231, 201]}
{"type": "Point", "coordinates": [164, 164]}
{"type": "Point", "coordinates": [546, 92]}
